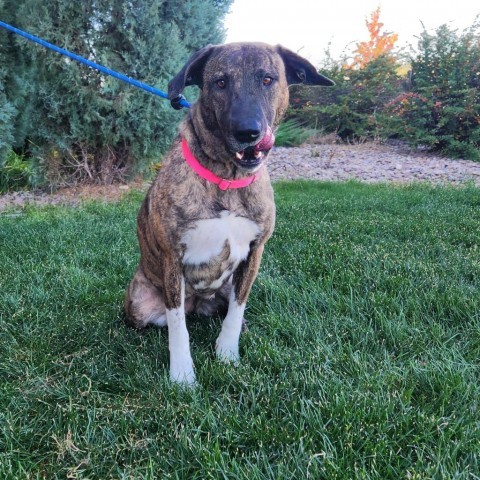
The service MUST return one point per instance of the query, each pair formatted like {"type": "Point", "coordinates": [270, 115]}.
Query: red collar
{"type": "Point", "coordinates": [210, 176]}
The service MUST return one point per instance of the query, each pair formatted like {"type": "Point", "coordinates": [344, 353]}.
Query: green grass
{"type": "Point", "coordinates": [361, 359]}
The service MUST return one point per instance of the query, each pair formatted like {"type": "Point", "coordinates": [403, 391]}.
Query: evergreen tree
{"type": "Point", "coordinates": [7, 110]}
{"type": "Point", "coordinates": [87, 125]}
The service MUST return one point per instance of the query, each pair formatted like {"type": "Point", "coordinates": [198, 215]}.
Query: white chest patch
{"type": "Point", "coordinates": [206, 239]}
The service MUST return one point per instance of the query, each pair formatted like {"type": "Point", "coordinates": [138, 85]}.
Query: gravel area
{"type": "Point", "coordinates": [368, 162]}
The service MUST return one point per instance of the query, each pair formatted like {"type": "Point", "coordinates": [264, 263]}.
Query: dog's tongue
{"type": "Point", "coordinates": [266, 143]}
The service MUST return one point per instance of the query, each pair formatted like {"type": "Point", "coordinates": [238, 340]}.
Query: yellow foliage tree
{"type": "Point", "coordinates": [380, 43]}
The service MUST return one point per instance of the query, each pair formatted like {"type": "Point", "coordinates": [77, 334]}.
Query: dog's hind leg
{"type": "Point", "coordinates": [144, 304]}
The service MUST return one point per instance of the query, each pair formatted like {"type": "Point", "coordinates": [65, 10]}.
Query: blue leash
{"type": "Point", "coordinates": [177, 103]}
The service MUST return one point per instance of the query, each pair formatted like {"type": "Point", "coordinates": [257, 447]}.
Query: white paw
{"type": "Point", "coordinates": [182, 372]}
{"type": "Point", "coordinates": [227, 349]}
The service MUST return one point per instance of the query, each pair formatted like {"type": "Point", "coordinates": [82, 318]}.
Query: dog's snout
{"type": "Point", "coordinates": [248, 132]}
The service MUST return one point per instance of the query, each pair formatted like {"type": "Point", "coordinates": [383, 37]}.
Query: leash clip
{"type": "Point", "coordinates": [176, 102]}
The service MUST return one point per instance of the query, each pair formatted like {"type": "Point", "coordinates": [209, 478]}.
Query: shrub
{"type": "Point", "coordinates": [441, 110]}
{"type": "Point", "coordinates": [437, 104]}
{"type": "Point", "coordinates": [82, 125]}
{"type": "Point", "coordinates": [7, 112]}
{"type": "Point", "coordinates": [17, 173]}
{"type": "Point", "coordinates": [291, 134]}
{"type": "Point", "coordinates": [354, 107]}
{"type": "Point", "coordinates": [7, 109]}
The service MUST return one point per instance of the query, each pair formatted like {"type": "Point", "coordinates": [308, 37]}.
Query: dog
{"type": "Point", "coordinates": [204, 222]}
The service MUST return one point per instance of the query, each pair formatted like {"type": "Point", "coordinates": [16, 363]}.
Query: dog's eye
{"type": "Point", "coordinates": [267, 81]}
{"type": "Point", "coordinates": [221, 84]}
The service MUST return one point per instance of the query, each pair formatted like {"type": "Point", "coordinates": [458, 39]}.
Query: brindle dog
{"type": "Point", "coordinates": [201, 242]}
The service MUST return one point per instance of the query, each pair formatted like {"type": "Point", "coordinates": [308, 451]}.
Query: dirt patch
{"type": "Point", "coordinates": [69, 196]}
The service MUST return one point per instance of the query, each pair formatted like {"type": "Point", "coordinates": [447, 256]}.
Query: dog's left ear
{"type": "Point", "coordinates": [190, 74]}
{"type": "Point", "coordinates": [299, 70]}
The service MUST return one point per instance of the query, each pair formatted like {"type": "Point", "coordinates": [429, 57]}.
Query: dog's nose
{"type": "Point", "coordinates": [248, 133]}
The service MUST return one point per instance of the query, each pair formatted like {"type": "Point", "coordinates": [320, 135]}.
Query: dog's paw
{"type": "Point", "coordinates": [182, 372]}
{"type": "Point", "coordinates": [227, 350]}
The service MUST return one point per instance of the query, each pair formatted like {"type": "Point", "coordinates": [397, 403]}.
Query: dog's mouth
{"type": "Point", "coordinates": [252, 156]}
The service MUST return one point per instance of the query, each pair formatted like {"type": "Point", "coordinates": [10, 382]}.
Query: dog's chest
{"type": "Point", "coordinates": [214, 247]}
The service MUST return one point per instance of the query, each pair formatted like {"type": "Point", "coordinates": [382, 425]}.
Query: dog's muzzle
{"type": "Point", "coordinates": [252, 156]}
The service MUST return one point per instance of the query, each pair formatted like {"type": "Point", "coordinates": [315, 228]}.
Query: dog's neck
{"type": "Point", "coordinates": [223, 184]}
{"type": "Point", "coordinates": [209, 149]}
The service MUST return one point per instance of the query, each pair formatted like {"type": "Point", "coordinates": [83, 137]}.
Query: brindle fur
{"type": "Point", "coordinates": [179, 197]}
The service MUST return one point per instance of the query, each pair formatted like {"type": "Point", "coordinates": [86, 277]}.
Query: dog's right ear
{"type": "Point", "coordinates": [190, 74]}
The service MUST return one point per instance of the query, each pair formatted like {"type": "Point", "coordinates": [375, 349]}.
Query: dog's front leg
{"type": "Point", "coordinates": [181, 363]}
{"type": "Point", "coordinates": [243, 278]}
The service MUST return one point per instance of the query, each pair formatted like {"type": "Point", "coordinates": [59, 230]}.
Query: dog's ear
{"type": "Point", "coordinates": [299, 70]}
{"type": "Point", "coordinates": [191, 73]}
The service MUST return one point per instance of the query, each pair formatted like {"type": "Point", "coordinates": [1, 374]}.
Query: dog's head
{"type": "Point", "coordinates": [244, 93]}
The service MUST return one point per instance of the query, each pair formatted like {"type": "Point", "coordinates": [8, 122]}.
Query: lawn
{"type": "Point", "coordinates": [361, 358]}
